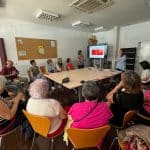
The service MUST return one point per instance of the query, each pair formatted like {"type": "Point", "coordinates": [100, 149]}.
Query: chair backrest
{"type": "Point", "coordinates": [40, 125]}
{"type": "Point", "coordinates": [128, 117]}
{"type": "Point", "coordinates": [42, 69]}
{"type": "Point", "coordinates": [86, 138]}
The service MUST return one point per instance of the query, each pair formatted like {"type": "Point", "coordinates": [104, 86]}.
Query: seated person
{"type": "Point", "coordinates": [59, 65]}
{"type": "Point", "coordinates": [69, 65]}
{"type": "Point", "coordinates": [145, 76]}
{"type": "Point", "coordinates": [144, 113]}
{"type": "Point", "coordinates": [3, 91]}
{"type": "Point", "coordinates": [40, 104]}
{"type": "Point", "coordinates": [136, 137]}
{"type": "Point", "coordinates": [9, 71]}
{"type": "Point", "coordinates": [34, 71]}
{"type": "Point", "coordinates": [9, 113]}
{"type": "Point", "coordinates": [91, 113]}
{"type": "Point", "coordinates": [50, 66]}
{"type": "Point", "coordinates": [127, 95]}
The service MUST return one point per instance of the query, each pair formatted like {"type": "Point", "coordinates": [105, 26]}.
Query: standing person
{"type": "Point", "coordinates": [9, 71]}
{"type": "Point", "coordinates": [34, 71]}
{"type": "Point", "coordinates": [50, 66]}
{"type": "Point", "coordinates": [127, 95]}
{"type": "Point", "coordinates": [80, 59]}
{"type": "Point", "coordinates": [69, 65]}
{"type": "Point", "coordinates": [59, 65]}
{"type": "Point", "coordinates": [145, 76]}
{"type": "Point", "coordinates": [121, 62]}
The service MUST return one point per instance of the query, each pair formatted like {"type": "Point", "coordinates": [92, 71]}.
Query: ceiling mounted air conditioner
{"type": "Point", "coordinates": [90, 6]}
{"type": "Point", "coordinates": [47, 15]}
{"type": "Point", "coordinates": [81, 24]}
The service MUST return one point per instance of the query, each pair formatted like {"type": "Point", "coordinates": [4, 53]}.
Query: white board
{"type": "Point", "coordinates": [144, 53]}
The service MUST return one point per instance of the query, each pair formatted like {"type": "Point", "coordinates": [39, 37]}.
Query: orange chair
{"type": "Point", "coordinates": [86, 138]}
{"type": "Point", "coordinates": [40, 125]}
{"type": "Point", "coordinates": [129, 116]}
{"type": "Point", "coordinates": [42, 69]}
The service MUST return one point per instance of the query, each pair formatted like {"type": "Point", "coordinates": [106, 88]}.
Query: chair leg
{"type": "Point", "coordinates": [33, 140]}
{"type": "Point", "coordinates": [114, 140]}
{"type": "Point", "coordinates": [18, 145]}
{"type": "Point", "coordinates": [52, 143]}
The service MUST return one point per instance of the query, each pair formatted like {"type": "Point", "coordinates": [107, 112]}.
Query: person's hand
{"type": "Point", "coordinates": [19, 96]}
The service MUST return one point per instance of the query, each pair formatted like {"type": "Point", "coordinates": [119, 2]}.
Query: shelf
{"type": "Point", "coordinates": [130, 64]}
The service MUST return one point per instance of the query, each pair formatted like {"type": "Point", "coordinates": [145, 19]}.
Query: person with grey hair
{"type": "Point", "coordinates": [40, 104]}
{"type": "Point", "coordinates": [127, 95]}
{"type": "Point", "coordinates": [91, 113]}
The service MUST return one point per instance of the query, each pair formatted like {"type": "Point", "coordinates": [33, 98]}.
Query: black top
{"type": "Point", "coordinates": [4, 94]}
{"type": "Point", "coordinates": [123, 102]}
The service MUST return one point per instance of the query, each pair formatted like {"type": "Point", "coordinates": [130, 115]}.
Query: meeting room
{"type": "Point", "coordinates": [75, 74]}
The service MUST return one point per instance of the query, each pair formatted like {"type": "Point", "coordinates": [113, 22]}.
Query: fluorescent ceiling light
{"type": "Point", "coordinates": [81, 24]}
{"type": "Point", "coordinates": [99, 28]}
{"type": "Point", "coordinates": [48, 15]}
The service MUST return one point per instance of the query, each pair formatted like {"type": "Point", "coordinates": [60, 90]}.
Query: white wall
{"type": "Point", "coordinates": [68, 41]}
{"type": "Point", "coordinates": [129, 36]}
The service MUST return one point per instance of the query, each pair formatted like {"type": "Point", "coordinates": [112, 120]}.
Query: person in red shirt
{"type": "Point", "coordinates": [9, 71]}
{"type": "Point", "coordinates": [69, 65]}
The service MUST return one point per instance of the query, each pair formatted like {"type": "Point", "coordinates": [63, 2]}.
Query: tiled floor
{"type": "Point", "coordinates": [41, 143]}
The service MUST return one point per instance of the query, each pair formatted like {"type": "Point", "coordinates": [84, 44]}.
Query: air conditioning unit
{"type": "Point", "coordinates": [47, 15]}
{"type": "Point", "coordinates": [81, 24]}
{"type": "Point", "coordinates": [90, 6]}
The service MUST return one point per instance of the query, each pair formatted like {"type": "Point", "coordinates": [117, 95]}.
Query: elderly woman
{"type": "Point", "coordinates": [40, 104]}
{"type": "Point", "coordinates": [91, 113]}
{"type": "Point", "coordinates": [59, 65]}
{"type": "Point", "coordinates": [8, 108]}
{"type": "Point", "coordinates": [127, 95]}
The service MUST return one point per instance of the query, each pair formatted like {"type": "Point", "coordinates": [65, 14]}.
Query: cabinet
{"type": "Point", "coordinates": [130, 57]}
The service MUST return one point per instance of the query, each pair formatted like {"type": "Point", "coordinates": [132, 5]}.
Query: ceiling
{"type": "Point", "coordinates": [122, 13]}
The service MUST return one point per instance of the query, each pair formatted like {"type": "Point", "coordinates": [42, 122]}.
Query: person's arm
{"type": "Point", "coordinates": [109, 96]}
{"type": "Point", "coordinates": [62, 113]}
{"type": "Point", "coordinates": [7, 113]}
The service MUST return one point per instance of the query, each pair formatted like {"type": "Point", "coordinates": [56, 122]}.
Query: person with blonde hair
{"type": "Point", "coordinates": [127, 95]}
{"type": "Point", "coordinates": [40, 104]}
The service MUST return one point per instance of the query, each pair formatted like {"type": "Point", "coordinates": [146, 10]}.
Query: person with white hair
{"type": "Point", "coordinates": [40, 104]}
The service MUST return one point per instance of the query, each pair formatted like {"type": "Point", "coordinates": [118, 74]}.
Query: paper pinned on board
{"type": "Point", "coordinates": [53, 44]}
{"type": "Point", "coordinates": [41, 50]}
{"type": "Point", "coordinates": [22, 53]}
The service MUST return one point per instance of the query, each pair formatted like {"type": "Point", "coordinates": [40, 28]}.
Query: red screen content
{"type": "Point", "coordinates": [97, 52]}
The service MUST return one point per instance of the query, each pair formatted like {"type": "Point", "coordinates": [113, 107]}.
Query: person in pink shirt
{"type": "Point", "coordinates": [91, 113]}
{"type": "Point", "coordinates": [69, 65]}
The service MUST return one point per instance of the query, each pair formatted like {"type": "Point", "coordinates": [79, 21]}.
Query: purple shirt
{"type": "Point", "coordinates": [99, 116]}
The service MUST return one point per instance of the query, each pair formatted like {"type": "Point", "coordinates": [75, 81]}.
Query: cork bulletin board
{"type": "Point", "coordinates": [29, 48]}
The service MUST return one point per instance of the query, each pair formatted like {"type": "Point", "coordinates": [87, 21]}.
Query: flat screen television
{"type": "Point", "coordinates": [98, 51]}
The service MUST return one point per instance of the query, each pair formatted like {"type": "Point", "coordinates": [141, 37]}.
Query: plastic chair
{"type": "Point", "coordinates": [86, 138]}
{"type": "Point", "coordinates": [40, 125]}
{"type": "Point", "coordinates": [127, 118]}
{"type": "Point", "coordinates": [42, 69]}
{"type": "Point", "coordinates": [8, 133]}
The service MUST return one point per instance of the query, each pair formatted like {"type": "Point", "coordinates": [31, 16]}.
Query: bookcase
{"type": "Point", "coordinates": [130, 57]}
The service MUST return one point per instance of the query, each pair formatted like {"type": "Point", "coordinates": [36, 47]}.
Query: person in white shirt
{"type": "Point", "coordinates": [145, 76]}
{"type": "Point", "coordinates": [40, 104]}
